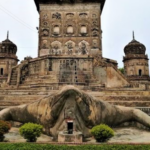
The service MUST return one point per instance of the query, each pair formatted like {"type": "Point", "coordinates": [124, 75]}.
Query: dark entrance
{"type": "Point", "coordinates": [2, 72]}
{"type": "Point", "coordinates": [140, 72]}
{"type": "Point", "coordinates": [70, 127]}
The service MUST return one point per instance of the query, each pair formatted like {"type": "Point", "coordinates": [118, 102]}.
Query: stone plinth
{"type": "Point", "coordinates": [76, 137]}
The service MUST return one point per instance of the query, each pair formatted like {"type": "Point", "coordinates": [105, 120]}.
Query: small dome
{"type": "Point", "coordinates": [134, 47]}
{"type": "Point", "coordinates": [8, 47]}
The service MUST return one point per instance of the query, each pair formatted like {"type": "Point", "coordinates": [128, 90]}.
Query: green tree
{"type": "Point", "coordinates": [30, 131]}
{"type": "Point", "coordinates": [121, 70]}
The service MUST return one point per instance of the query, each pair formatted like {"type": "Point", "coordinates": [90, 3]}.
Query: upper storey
{"type": "Point", "coordinates": [70, 30]}
{"type": "Point", "coordinates": [37, 2]}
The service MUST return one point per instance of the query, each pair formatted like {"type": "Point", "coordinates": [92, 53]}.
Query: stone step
{"type": "Point", "coordinates": [16, 103]}
{"type": "Point", "coordinates": [20, 97]}
{"type": "Point", "coordinates": [45, 87]}
{"type": "Point", "coordinates": [132, 104]}
{"type": "Point", "coordinates": [13, 82]}
{"type": "Point", "coordinates": [26, 92]}
{"type": "Point", "coordinates": [124, 98]}
{"type": "Point", "coordinates": [41, 78]}
{"type": "Point", "coordinates": [120, 93]}
{"type": "Point", "coordinates": [40, 82]}
{"type": "Point", "coordinates": [13, 79]}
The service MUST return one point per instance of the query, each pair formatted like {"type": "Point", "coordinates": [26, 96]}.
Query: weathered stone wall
{"type": "Point", "coordinates": [133, 66]}
{"type": "Point", "coordinates": [6, 64]}
{"type": "Point", "coordinates": [63, 70]}
{"type": "Point", "coordinates": [110, 77]}
{"type": "Point", "coordinates": [101, 74]}
{"type": "Point", "coordinates": [115, 79]}
{"type": "Point", "coordinates": [70, 29]}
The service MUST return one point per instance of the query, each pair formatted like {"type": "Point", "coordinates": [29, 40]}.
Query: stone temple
{"type": "Point", "coordinates": [70, 53]}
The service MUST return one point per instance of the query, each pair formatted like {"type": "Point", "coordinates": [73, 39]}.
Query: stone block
{"type": "Point", "coordinates": [76, 137]}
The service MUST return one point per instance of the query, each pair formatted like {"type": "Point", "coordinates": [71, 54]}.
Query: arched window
{"type": "Point", "coordinates": [70, 30]}
{"type": "Point", "coordinates": [140, 72]}
{"type": "Point", "coordinates": [83, 29]}
{"type": "Point", "coordinates": [2, 71]}
{"type": "Point", "coordinates": [56, 30]}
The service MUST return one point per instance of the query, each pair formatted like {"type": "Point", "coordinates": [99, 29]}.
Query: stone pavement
{"type": "Point", "coordinates": [122, 135]}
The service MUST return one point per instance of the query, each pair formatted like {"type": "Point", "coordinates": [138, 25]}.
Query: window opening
{"type": "Point", "coordinates": [70, 127]}
{"type": "Point", "coordinates": [140, 72]}
{"type": "Point", "coordinates": [2, 71]}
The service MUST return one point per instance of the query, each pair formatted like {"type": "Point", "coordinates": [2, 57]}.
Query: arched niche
{"type": "Point", "coordinates": [1, 71]}
{"type": "Point", "coordinates": [70, 29]}
{"type": "Point", "coordinates": [83, 48]}
{"type": "Point", "coordinates": [56, 30]}
{"type": "Point", "coordinates": [56, 47]}
{"type": "Point", "coordinates": [69, 46]}
{"type": "Point", "coordinates": [83, 29]}
{"type": "Point", "coordinates": [140, 72]}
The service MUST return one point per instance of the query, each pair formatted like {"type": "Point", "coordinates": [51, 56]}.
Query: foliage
{"type": "Point", "coordinates": [4, 128]}
{"type": "Point", "coordinates": [29, 146]}
{"type": "Point", "coordinates": [31, 131]}
{"type": "Point", "coordinates": [102, 132]}
{"type": "Point", "coordinates": [121, 70]}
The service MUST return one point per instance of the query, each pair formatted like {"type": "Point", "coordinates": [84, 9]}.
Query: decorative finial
{"type": "Point", "coordinates": [7, 35]}
{"type": "Point", "coordinates": [133, 36]}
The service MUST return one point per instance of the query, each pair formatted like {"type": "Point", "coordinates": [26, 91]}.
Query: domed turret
{"type": "Point", "coordinates": [134, 47]}
{"type": "Point", "coordinates": [8, 47]}
{"type": "Point", "coordinates": [136, 61]}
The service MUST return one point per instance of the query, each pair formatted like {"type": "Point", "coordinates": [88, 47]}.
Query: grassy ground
{"type": "Point", "coordinates": [29, 146]}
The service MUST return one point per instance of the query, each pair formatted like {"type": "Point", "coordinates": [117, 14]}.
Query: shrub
{"type": "Point", "coordinates": [31, 131]}
{"type": "Point", "coordinates": [102, 132]}
{"type": "Point", "coordinates": [4, 128]}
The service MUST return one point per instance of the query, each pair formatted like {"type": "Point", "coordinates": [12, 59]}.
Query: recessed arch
{"type": "Point", "coordinates": [70, 29]}
{"type": "Point", "coordinates": [140, 72]}
{"type": "Point", "coordinates": [1, 71]}
{"type": "Point", "coordinates": [83, 29]}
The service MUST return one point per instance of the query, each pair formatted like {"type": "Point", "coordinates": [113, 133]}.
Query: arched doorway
{"type": "Point", "coordinates": [140, 72]}
{"type": "Point", "coordinates": [1, 71]}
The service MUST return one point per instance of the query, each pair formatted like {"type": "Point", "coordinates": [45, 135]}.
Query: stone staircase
{"type": "Point", "coordinates": [129, 98]}
{"type": "Point", "coordinates": [49, 81]}
{"type": "Point", "coordinates": [18, 96]}
{"type": "Point", "coordinates": [13, 79]}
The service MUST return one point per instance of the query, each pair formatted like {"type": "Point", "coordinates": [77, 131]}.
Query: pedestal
{"type": "Point", "coordinates": [76, 137]}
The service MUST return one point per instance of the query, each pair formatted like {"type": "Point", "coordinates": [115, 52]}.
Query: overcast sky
{"type": "Point", "coordinates": [119, 19]}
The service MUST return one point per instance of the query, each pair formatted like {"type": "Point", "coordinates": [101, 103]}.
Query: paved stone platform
{"type": "Point", "coordinates": [122, 135]}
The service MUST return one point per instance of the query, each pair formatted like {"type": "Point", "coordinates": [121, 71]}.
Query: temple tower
{"type": "Point", "coordinates": [70, 38]}
{"type": "Point", "coordinates": [70, 28]}
{"type": "Point", "coordinates": [136, 61]}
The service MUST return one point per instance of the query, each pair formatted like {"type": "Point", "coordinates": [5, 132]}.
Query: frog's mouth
{"type": "Point", "coordinates": [71, 106]}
